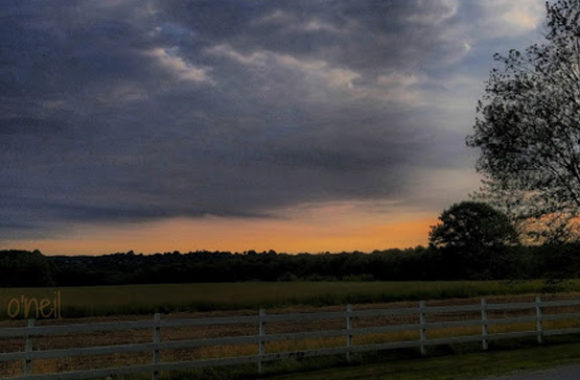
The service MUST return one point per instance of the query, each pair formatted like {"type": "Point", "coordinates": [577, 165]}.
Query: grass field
{"type": "Point", "coordinates": [458, 362]}
{"type": "Point", "coordinates": [451, 363]}
{"type": "Point", "coordinates": [229, 298]}
{"type": "Point", "coordinates": [146, 299]}
{"type": "Point", "coordinates": [470, 365]}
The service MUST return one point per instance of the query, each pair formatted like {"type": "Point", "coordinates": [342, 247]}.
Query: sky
{"type": "Point", "coordinates": [298, 126]}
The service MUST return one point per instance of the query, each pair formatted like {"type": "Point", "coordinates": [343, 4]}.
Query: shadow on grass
{"type": "Point", "coordinates": [457, 361]}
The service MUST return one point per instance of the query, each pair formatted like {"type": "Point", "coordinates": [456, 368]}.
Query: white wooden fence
{"type": "Point", "coordinates": [27, 356]}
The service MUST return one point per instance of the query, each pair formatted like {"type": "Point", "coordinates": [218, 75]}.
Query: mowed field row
{"type": "Point", "coordinates": [93, 301]}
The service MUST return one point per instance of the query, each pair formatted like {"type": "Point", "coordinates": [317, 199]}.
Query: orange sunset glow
{"type": "Point", "coordinates": [333, 228]}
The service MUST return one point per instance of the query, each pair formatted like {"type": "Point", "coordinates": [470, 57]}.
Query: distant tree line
{"type": "Point", "coordinates": [22, 268]}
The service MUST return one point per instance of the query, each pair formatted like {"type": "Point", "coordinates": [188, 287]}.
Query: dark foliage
{"type": "Point", "coordinates": [528, 130]}
{"type": "Point", "coordinates": [23, 268]}
{"type": "Point", "coordinates": [473, 225]}
{"type": "Point", "coordinates": [20, 268]}
{"type": "Point", "coordinates": [474, 240]}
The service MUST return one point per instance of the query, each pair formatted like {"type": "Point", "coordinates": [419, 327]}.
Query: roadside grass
{"type": "Point", "coordinates": [503, 358]}
{"type": "Point", "coordinates": [461, 361]}
{"type": "Point", "coordinates": [92, 301]}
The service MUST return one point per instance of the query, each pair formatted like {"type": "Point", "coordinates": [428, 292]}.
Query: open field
{"type": "Point", "coordinates": [141, 336]}
{"type": "Point", "coordinates": [146, 299]}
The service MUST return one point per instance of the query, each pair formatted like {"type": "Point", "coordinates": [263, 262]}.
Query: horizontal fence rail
{"type": "Point", "coordinates": [262, 338]}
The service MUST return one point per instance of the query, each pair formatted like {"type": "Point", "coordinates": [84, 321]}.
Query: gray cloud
{"type": "Point", "coordinates": [139, 110]}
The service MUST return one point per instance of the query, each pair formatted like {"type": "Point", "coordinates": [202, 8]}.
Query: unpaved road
{"type": "Point", "coordinates": [571, 372]}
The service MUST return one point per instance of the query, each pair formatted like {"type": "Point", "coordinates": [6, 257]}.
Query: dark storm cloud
{"type": "Point", "coordinates": [138, 110]}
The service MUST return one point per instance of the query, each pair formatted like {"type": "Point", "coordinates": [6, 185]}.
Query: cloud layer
{"type": "Point", "coordinates": [122, 111]}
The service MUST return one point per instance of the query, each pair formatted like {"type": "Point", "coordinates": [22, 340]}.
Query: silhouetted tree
{"type": "Point", "coordinates": [471, 240]}
{"type": "Point", "coordinates": [472, 225]}
{"type": "Point", "coordinates": [528, 129]}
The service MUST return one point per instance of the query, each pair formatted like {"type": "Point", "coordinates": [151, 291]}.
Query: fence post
{"type": "Point", "coordinates": [156, 341]}
{"type": "Point", "coordinates": [539, 331]}
{"type": "Point", "coordinates": [28, 348]}
{"type": "Point", "coordinates": [262, 343]}
{"type": "Point", "coordinates": [484, 324]}
{"type": "Point", "coordinates": [423, 336]}
{"type": "Point", "coordinates": [348, 328]}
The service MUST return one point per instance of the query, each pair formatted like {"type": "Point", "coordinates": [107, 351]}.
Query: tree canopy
{"type": "Point", "coordinates": [472, 225]}
{"type": "Point", "coordinates": [528, 129]}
